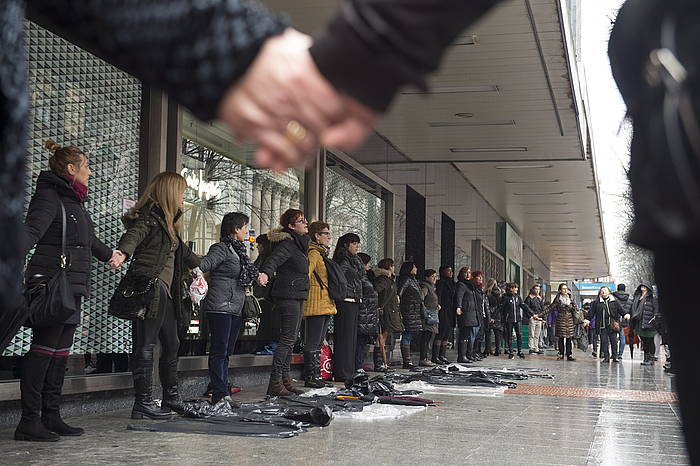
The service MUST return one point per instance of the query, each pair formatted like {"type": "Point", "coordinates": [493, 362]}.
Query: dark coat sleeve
{"type": "Point", "coordinates": [215, 256]}
{"type": "Point", "coordinates": [390, 43]}
{"type": "Point", "coordinates": [459, 295]}
{"type": "Point", "coordinates": [43, 209]}
{"type": "Point", "coordinates": [134, 235]}
{"type": "Point", "coordinates": [279, 255]}
{"type": "Point", "coordinates": [194, 50]}
{"type": "Point", "coordinates": [99, 249]}
{"type": "Point", "coordinates": [189, 258]}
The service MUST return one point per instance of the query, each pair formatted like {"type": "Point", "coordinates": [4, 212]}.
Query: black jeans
{"type": "Point", "coordinates": [224, 330]}
{"type": "Point", "coordinates": [163, 328]}
{"type": "Point", "coordinates": [362, 342]}
{"type": "Point", "coordinates": [497, 338]}
{"type": "Point", "coordinates": [55, 340]}
{"type": "Point", "coordinates": [315, 330]}
{"type": "Point", "coordinates": [608, 338]}
{"type": "Point", "coordinates": [565, 344]}
{"type": "Point", "coordinates": [426, 337]}
{"type": "Point", "coordinates": [648, 345]}
{"type": "Point", "coordinates": [509, 327]}
{"type": "Point", "coordinates": [345, 340]}
{"type": "Point", "coordinates": [289, 311]}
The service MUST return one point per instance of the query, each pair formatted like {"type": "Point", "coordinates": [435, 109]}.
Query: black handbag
{"type": "Point", "coordinates": [133, 297]}
{"type": "Point", "coordinates": [51, 302]}
{"type": "Point", "coordinates": [251, 306]}
{"type": "Point", "coordinates": [431, 316]}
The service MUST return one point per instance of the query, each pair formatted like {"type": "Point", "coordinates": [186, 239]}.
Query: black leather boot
{"type": "Point", "coordinates": [30, 427]}
{"type": "Point", "coordinates": [276, 387]}
{"type": "Point", "coordinates": [462, 352]}
{"type": "Point", "coordinates": [171, 395]}
{"type": "Point", "coordinates": [435, 353]}
{"type": "Point", "coordinates": [144, 407]}
{"type": "Point", "coordinates": [406, 356]}
{"type": "Point", "coordinates": [51, 399]}
{"type": "Point", "coordinates": [312, 370]}
{"type": "Point", "coordinates": [379, 365]}
{"type": "Point", "coordinates": [443, 353]}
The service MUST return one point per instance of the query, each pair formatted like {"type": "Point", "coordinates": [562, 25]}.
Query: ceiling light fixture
{"type": "Point", "coordinates": [447, 124]}
{"type": "Point", "coordinates": [543, 203]}
{"type": "Point", "coordinates": [532, 181]}
{"type": "Point", "coordinates": [452, 90]}
{"type": "Point", "coordinates": [464, 115]}
{"type": "Point", "coordinates": [521, 167]}
{"type": "Point", "coordinates": [540, 194]}
{"type": "Point", "coordinates": [489, 149]}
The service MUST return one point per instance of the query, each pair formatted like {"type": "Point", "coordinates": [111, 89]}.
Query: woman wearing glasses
{"type": "Point", "coordinates": [287, 268]}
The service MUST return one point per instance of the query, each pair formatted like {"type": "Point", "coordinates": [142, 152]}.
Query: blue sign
{"type": "Point", "coordinates": [584, 286]}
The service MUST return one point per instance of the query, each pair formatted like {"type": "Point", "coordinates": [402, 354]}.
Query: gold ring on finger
{"type": "Point", "coordinates": [295, 132]}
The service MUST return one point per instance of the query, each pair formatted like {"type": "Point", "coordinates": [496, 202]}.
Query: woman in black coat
{"type": "Point", "coordinates": [493, 295]}
{"type": "Point", "coordinates": [347, 318]}
{"type": "Point", "coordinates": [469, 315]}
{"type": "Point", "coordinates": [411, 306]}
{"type": "Point", "coordinates": [368, 319]}
{"type": "Point", "coordinates": [287, 269]}
{"type": "Point", "coordinates": [65, 187]}
{"type": "Point", "coordinates": [445, 289]}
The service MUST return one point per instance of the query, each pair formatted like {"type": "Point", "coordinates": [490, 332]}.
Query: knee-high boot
{"type": "Point", "coordinates": [172, 401]}
{"type": "Point", "coordinates": [30, 427]}
{"type": "Point", "coordinates": [443, 353]}
{"type": "Point", "coordinates": [51, 399]}
{"type": "Point", "coordinates": [406, 356]}
{"type": "Point", "coordinates": [435, 355]}
{"type": "Point", "coordinates": [144, 407]}
{"type": "Point", "coordinates": [312, 370]}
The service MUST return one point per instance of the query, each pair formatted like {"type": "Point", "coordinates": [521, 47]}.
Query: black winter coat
{"type": "Point", "coordinates": [368, 319]}
{"type": "Point", "coordinates": [513, 309]}
{"type": "Point", "coordinates": [445, 289]}
{"type": "Point", "coordinates": [494, 301]}
{"type": "Point", "coordinates": [354, 273]}
{"type": "Point", "coordinates": [158, 41]}
{"type": "Point", "coordinates": [604, 312]}
{"type": "Point", "coordinates": [625, 304]}
{"type": "Point", "coordinates": [535, 305]}
{"type": "Point", "coordinates": [147, 243]}
{"type": "Point", "coordinates": [287, 265]}
{"type": "Point", "coordinates": [643, 313]}
{"type": "Point", "coordinates": [388, 301]}
{"type": "Point", "coordinates": [411, 304]}
{"type": "Point", "coordinates": [466, 300]}
{"type": "Point", "coordinates": [43, 225]}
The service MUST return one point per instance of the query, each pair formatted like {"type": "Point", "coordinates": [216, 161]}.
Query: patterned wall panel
{"type": "Point", "coordinates": [80, 99]}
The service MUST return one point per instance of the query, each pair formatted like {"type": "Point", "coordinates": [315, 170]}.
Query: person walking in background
{"type": "Point", "coordinates": [411, 306]}
{"type": "Point", "coordinates": [493, 294]}
{"type": "Point", "coordinates": [565, 328]}
{"type": "Point", "coordinates": [390, 321]}
{"type": "Point", "coordinates": [230, 272]}
{"type": "Point", "coordinates": [287, 268]}
{"type": "Point", "coordinates": [536, 305]}
{"type": "Point", "coordinates": [623, 298]}
{"type": "Point", "coordinates": [156, 251]}
{"type": "Point", "coordinates": [513, 311]}
{"type": "Point", "coordinates": [606, 311]}
{"type": "Point", "coordinates": [644, 309]}
{"type": "Point", "coordinates": [431, 302]}
{"type": "Point", "coordinates": [368, 320]}
{"type": "Point", "coordinates": [445, 289]}
{"type": "Point", "coordinates": [58, 199]}
{"type": "Point", "coordinates": [319, 307]}
{"type": "Point", "coordinates": [345, 323]}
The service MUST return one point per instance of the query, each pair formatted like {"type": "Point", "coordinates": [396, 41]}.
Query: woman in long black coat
{"type": "Point", "coordinates": [445, 289]}
{"type": "Point", "coordinates": [64, 187]}
{"type": "Point", "coordinates": [411, 306]}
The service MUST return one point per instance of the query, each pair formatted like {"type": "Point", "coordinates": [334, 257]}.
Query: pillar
{"type": "Point", "coordinates": [266, 206]}
{"type": "Point", "coordinates": [276, 205]}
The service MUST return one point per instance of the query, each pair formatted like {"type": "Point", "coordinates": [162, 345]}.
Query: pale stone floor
{"type": "Point", "coordinates": [465, 429]}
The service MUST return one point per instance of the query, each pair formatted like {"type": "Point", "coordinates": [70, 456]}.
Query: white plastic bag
{"type": "Point", "coordinates": [198, 287]}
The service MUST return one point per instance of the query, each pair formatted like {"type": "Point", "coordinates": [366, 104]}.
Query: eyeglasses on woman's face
{"type": "Point", "coordinates": [325, 233]}
{"type": "Point", "coordinates": [302, 220]}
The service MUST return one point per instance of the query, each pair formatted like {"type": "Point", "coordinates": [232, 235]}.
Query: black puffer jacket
{"type": "Point", "coordinates": [466, 301]}
{"type": "Point", "coordinates": [287, 265]}
{"type": "Point", "coordinates": [225, 294]}
{"type": "Point", "coordinates": [643, 312]}
{"type": "Point", "coordinates": [625, 304]}
{"type": "Point", "coordinates": [368, 320]}
{"type": "Point", "coordinates": [43, 225]}
{"type": "Point", "coordinates": [354, 272]}
{"type": "Point", "coordinates": [146, 242]}
{"type": "Point", "coordinates": [411, 304]}
{"type": "Point", "coordinates": [513, 309]}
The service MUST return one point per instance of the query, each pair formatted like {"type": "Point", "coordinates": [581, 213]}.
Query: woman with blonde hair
{"type": "Point", "coordinates": [58, 200]}
{"type": "Point", "coordinates": [158, 257]}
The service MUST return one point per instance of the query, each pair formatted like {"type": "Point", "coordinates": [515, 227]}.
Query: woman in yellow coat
{"type": "Point", "coordinates": [319, 307]}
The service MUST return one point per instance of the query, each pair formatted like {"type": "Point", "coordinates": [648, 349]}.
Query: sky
{"type": "Point", "coordinates": [610, 137]}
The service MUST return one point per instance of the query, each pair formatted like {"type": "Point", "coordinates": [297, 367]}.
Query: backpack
{"type": "Point", "coordinates": [337, 283]}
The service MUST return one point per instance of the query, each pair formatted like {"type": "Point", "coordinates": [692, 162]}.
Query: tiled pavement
{"type": "Point", "coordinates": [591, 413]}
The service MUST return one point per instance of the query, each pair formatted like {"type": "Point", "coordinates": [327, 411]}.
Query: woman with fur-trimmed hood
{"type": "Point", "coordinates": [389, 312]}
{"type": "Point", "coordinates": [286, 272]}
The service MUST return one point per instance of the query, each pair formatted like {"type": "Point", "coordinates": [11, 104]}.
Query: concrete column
{"type": "Point", "coordinates": [276, 205]}
{"type": "Point", "coordinates": [314, 181]}
{"type": "Point", "coordinates": [153, 135]}
{"type": "Point", "coordinates": [265, 206]}
{"type": "Point", "coordinates": [389, 227]}
{"type": "Point", "coordinates": [256, 205]}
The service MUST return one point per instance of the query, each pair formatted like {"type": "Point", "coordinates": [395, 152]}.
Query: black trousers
{"type": "Point", "coordinates": [360, 347]}
{"type": "Point", "coordinates": [565, 346]}
{"type": "Point", "coordinates": [446, 326]}
{"type": "Point", "coordinates": [315, 329]}
{"type": "Point", "coordinates": [56, 340]}
{"type": "Point", "coordinates": [509, 327]}
{"type": "Point", "coordinates": [648, 345]}
{"type": "Point", "coordinates": [608, 338]}
{"type": "Point", "coordinates": [345, 340]}
{"type": "Point", "coordinates": [289, 311]}
{"type": "Point", "coordinates": [497, 338]}
{"type": "Point", "coordinates": [163, 328]}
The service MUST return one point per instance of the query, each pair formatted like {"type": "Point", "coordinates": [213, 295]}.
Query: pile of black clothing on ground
{"type": "Point", "coordinates": [463, 376]}
{"type": "Point", "coordinates": [286, 416]}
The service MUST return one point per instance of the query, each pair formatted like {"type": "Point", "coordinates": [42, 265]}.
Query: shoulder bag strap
{"type": "Point", "coordinates": [64, 258]}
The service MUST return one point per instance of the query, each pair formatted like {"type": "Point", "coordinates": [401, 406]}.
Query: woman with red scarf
{"type": "Point", "coordinates": [62, 189]}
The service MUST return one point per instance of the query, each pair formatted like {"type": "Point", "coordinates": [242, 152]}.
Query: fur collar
{"type": "Point", "coordinates": [277, 235]}
{"type": "Point", "coordinates": [383, 273]}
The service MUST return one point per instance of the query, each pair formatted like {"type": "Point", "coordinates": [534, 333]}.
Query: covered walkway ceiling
{"type": "Point", "coordinates": [503, 111]}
